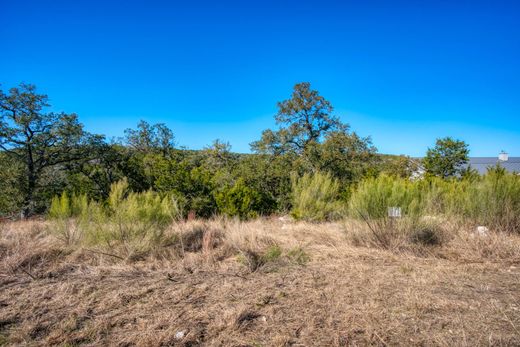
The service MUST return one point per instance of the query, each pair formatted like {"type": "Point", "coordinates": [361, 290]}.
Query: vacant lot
{"type": "Point", "coordinates": [259, 283]}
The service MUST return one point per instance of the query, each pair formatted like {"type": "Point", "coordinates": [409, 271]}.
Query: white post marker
{"type": "Point", "coordinates": [394, 212]}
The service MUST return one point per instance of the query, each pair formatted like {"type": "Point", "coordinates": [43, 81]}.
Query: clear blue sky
{"type": "Point", "coordinates": [404, 72]}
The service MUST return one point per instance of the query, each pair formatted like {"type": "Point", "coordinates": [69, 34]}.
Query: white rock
{"type": "Point", "coordinates": [482, 230]}
{"type": "Point", "coordinates": [179, 335]}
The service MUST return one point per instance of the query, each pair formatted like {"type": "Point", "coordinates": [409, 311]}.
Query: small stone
{"type": "Point", "coordinates": [482, 230]}
{"type": "Point", "coordinates": [180, 335]}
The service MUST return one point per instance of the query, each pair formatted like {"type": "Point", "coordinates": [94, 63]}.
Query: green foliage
{"type": "Point", "coordinates": [11, 183]}
{"type": "Point", "coordinates": [399, 166]}
{"type": "Point", "coordinates": [447, 158]}
{"type": "Point", "coordinates": [272, 253]}
{"type": "Point", "coordinates": [346, 156]}
{"type": "Point", "coordinates": [299, 256]}
{"type": "Point", "coordinates": [239, 200]}
{"type": "Point", "coordinates": [123, 192]}
{"type": "Point", "coordinates": [150, 138]}
{"type": "Point", "coordinates": [373, 196]}
{"type": "Point", "coordinates": [127, 218]}
{"type": "Point", "coordinates": [304, 119]}
{"type": "Point", "coordinates": [60, 207]}
{"type": "Point", "coordinates": [315, 197]}
{"type": "Point", "coordinates": [270, 176]}
{"type": "Point", "coordinates": [39, 139]}
{"type": "Point", "coordinates": [492, 200]}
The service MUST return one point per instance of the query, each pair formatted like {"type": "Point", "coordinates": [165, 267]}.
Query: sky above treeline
{"type": "Point", "coordinates": [403, 72]}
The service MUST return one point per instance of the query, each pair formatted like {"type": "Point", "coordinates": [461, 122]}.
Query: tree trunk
{"type": "Point", "coordinates": [31, 185]}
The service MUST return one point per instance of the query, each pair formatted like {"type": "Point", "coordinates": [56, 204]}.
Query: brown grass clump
{"type": "Point", "coordinates": [327, 284]}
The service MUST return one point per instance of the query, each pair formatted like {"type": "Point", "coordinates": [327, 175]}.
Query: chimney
{"type": "Point", "coordinates": [503, 156]}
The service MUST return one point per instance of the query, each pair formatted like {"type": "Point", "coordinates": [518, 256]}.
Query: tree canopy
{"type": "Point", "coordinates": [44, 153]}
{"type": "Point", "coordinates": [37, 138]}
{"type": "Point", "coordinates": [447, 158]}
{"type": "Point", "coordinates": [304, 119]}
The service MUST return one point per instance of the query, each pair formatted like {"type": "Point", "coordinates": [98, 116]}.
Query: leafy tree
{"type": "Point", "coordinates": [150, 138]}
{"type": "Point", "coordinates": [113, 163]}
{"type": "Point", "coordinates": [271, 176]}
{"type": "Point", "coordinates": [39, 139]}
{"type": "Point", "coordinates": [447, 158]}
{"type": "Point", "coordinates": [399, 166]}
{"type": "Point", "coordinates": [11, 173]}
{"type": "Point", "coordinates": [345, 155]}
{"type": "Point", "coordinates": [190, 181]}
{"type": "Point", "coordinates": [304, 119]}
{"type": "Point", "coordinates": [218, 155]}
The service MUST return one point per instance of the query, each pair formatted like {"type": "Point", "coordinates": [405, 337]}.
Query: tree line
{"type": "Point", "coordinates": [43, 154]}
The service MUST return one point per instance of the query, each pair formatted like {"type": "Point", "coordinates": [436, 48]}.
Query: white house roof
{"type": "Point", "coordinates": [481, 164]}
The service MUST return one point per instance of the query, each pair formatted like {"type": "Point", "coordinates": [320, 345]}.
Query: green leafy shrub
{"type": "Point", "coordinates": [239, 200]}
{"type": "Point", "coordinates": [315, 197]}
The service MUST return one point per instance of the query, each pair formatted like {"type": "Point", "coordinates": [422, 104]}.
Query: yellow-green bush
{"type": "Point", "coordinates": [492, 199]}
{"type": "Point", "coordinates": [316, 197]}
{"type": "Point", "coordinates": [373, 196]}
{"type": "Point", "coordinates": [133, 219]}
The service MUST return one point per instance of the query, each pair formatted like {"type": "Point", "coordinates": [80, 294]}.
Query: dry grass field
{"type": "Point", "coordinates": [267, 282]}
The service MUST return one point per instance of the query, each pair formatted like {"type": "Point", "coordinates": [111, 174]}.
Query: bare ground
{"type": "Point", "coordinates": [466, 293]}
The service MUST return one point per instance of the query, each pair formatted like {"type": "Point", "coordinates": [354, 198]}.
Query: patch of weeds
{"type": "Point", "coordinates": [272, 254]}
{"type": "Point", "coordinates": [299, 256]}
{"type": "Point", "coordinates": [254, 260]}
{"type": "Point", "coordinates": [3, 340]}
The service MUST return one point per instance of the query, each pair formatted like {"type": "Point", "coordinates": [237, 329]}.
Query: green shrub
{"type": "Point", "coordinates": [135, 220]}
{"type": "Point", "coordinates": [272, 253]}
{"type": "Point", "coordinates": [299, 256]}
{"type": "Point", "coordinates": [239, 200]}
{"type": "Point", "coordinates": [60, 207]}
{"type": "Point", "coordinates": [492, 200]}
{"type": "Point", "coordinates": [373, 196]}
{"type": "Point", "coordinates": [315, 197]}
